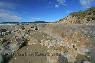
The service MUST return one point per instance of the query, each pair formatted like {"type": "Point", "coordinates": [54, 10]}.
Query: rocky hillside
{"type": "Point", "coordinates": [50, 42]}
{"type": "Point", "coordinates": [47, 43]}
{"type": "Point", "coordinates": [81, 17]}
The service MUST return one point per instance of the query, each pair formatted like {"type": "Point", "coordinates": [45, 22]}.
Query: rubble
{"type": "Point", "coordinates": [66, 42]}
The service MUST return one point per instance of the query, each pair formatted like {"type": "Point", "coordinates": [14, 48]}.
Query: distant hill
{"type": "Point", "coordinates": [40, 22]}
{"type": "Point", "coordinates": [9, 22]}
{"type": "Point", "coordinates": [81, 17]}
{"type": "Point", "coordinates": [23, 22]}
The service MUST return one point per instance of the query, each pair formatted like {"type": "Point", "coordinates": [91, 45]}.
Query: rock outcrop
{"type": "Point", "coordinates": [81, 17]}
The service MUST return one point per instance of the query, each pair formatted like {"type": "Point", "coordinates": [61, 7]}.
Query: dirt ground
{"type": "Point", "coordinates": [24, 55]}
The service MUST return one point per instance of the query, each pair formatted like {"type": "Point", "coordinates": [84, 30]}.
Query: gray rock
{"type": "Point", "coordinates": [1, 59]}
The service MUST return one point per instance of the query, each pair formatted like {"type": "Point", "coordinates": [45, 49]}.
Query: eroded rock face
{"type": "Point", "coordinates": [71, 43]}
{"type": "Point", "coordinates": [63, 43]}
{"type": "Point", "coordinates": [9, 44]}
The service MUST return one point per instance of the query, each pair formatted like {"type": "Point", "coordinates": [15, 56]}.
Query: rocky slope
{"type": "Point", "coordinates": [81, 17]}
{"type": "Point", "coordinates": [47, 43]}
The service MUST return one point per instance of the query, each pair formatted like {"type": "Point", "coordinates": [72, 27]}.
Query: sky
{"type": "Point", "coordinates": [43, 10]}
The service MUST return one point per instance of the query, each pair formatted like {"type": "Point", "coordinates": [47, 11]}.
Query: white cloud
{"type": "Point", "coordinates": [86, 3]}
{"type": "Point", "coordinates": [56, 6]}
{"type": "Point", "coordinates": [8, 17]}
{"type": "Point", "coordinates": [35, 18]}
{"type": "Point", "coordinates": [59, 3]}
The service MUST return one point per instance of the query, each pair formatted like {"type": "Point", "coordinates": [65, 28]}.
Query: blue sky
{"type": "Point", "coordinates": [47, 10]}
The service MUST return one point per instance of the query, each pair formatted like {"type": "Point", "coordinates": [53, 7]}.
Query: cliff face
{"type": "Point", "coordinates": [81, 17]}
